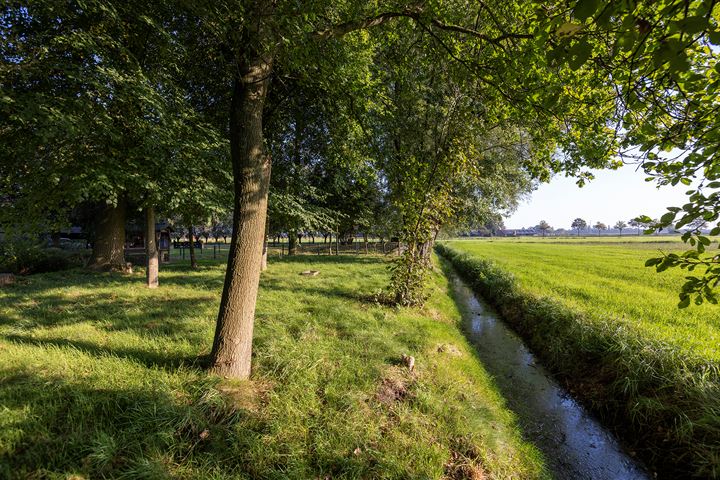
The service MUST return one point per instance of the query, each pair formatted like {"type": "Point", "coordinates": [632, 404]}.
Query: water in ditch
{"type": "Point", "coordinates": [575, 445]}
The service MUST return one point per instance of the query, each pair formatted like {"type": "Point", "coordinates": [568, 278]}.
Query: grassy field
{"type": "Point", "coordinates": [102, 378]}
{"type": "Point", "coordinates": [611, 329]}
{"type": "Point", "coordinates": [608, 279]}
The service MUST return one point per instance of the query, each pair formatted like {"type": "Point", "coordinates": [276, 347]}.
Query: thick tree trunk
{"type": "Point", "coordinates": [292, 243]}
{"type": "Point", "coordinates": [193, 259]}
{"type": "Point", "coordinates": [151, 251]}
{"type": "Point", "coordinates": [109, 246]}
{"type": "Point", "coordinates": [232, 347]}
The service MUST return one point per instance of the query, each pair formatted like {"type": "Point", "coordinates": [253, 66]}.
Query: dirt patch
{"type": "Point", "coordinates": [459, 467]}
{"type": "Point", "coordinates": [395, 386]}
{"type": "Point", "coordinates": [449, 349]}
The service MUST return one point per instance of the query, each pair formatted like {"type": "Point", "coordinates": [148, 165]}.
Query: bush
{"type": "Point", "coordinates": [25, 258]}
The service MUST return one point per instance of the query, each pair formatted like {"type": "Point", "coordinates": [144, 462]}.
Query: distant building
{"type": "Point", "coordinates": [519, 232]}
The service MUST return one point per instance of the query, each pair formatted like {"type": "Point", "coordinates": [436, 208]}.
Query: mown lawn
{"type": "Point", "coordinates": [102, 378]}
{"type": "Point", "coordinates": [606, 278]}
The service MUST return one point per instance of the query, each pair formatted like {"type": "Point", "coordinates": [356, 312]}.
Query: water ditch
{"type": "Point", "coordinates": [575, 445]}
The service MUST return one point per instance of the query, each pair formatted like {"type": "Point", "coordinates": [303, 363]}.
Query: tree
{"type": "Point", "coordinates": [544, 227]}
{"type": "Point", "coordinates": [662, 57]}
{"type": "Point", "coordinates": [578, 224]}
{"type": "Point", "coordinates": [600, 227]}
{"type": "Point", "coordinates": [620, 225]}
{"type": "Point", "coordinates": [642, 223]}
{"type": "Point", "coordinates": [96, 97]}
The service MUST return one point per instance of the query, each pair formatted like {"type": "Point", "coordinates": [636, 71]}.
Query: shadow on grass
{"type": "Point", "coordinates": [145, 357]}
{"type": "Point", "coordinates": [55, 428]}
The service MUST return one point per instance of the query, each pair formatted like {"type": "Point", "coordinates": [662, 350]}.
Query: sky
{"type": "Point", "coordinates": [613, 195]}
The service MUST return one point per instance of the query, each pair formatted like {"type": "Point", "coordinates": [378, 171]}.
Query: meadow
{"type": "Point", "coordinates": [102, 378]}
{"type": "Point", "coordinates": [610, 329]}
{"type": "Point", "coordinates": [606, 278]}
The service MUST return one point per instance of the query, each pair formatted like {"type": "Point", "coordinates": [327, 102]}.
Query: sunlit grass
{"type": "Point", "coordinates": [101, 377]}
{"type": "Point", "coordinates": [611, 329]}
{"type": "Point", "coordinates": [610, 281]}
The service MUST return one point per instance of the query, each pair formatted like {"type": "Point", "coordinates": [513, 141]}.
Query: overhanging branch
{"type": "Point", "coordinates": [413, 13]}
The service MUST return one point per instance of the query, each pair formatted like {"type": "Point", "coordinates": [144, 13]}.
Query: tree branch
{"type": "Point", "coordinates": [413, 12]}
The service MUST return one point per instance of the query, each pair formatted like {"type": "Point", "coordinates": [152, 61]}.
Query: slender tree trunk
{"type": "Point", "coordinates": [292, 242]}
{"type": "Point", "coordinates": [55, 239]}
{"type": "Point", "coordinates": [109, 246]}
{"type": "Point", "coordinates": [193, 259]}
{"type": "Point", "coordinates": [365, 240]}
{"type": "Point", "coordinates": [232, 347]}
{"type": "Point", "coordinates": [151, 251]}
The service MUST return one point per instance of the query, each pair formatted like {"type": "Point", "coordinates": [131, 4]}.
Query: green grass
{"type": "Point", "coordinates": [611, 328]}
{"type": "Point", "coordinates": [101, 378]}
{"type": "Point", "coordinates": [608, 280]}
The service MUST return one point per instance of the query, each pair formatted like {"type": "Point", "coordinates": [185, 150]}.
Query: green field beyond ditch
{"type": "Point", "coordinates": [607, 279]}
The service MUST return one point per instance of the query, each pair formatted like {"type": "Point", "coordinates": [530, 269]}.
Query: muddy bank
{"type": "Point", "coordinates": [575, 445]}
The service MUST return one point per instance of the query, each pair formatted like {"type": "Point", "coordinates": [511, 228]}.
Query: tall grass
{"type": "Point", "coordinates": [663, 397]}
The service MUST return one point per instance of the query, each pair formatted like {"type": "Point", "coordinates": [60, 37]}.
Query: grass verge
{"type": "Point", "coordinates": [101, 378]}
{"type": "Point", "coordinates": [663, 399]}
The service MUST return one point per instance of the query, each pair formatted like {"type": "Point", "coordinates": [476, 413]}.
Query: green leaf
{"type": "Point", "coordinates": [579, 52]}
{"type": "Point", "coordinates": [585, 9]}
{"type": "Point", "coordinates": [684, 303]}
{"type": "Point", "coordinates": [568, 29]}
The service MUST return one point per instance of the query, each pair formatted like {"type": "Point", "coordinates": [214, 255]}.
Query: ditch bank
{"type": "Point", "coordinates": [573, 442]}
{"type": "Point", "coordinates": [662, 402]}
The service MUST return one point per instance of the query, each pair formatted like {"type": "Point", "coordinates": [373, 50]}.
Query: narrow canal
{"type": "Point", "coordinates": [575, 445]}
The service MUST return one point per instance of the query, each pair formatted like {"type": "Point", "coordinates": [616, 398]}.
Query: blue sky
{"type": "Point", "coordinates": [612, 196]}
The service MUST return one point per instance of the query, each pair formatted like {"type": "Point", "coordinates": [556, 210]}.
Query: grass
{"type": "Point", "coordinates": [101, 378]}
{"type": "Point", "coordinates": [609, 280]}
{"type": "Point", "coordinates": [610, 327]}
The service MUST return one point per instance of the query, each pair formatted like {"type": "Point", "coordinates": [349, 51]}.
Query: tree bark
{"type": "Point", "coordinates": [263, 261]}
{"type": "Point", "coordinates": [193, 259]}
{"type": "Point", "coordinates": [151, 251]}
{"type": "Point", "coordinates": [109, 245]}
{"type": "Point", "coordinates": [232, 347]}
{"type": "Point", "coordinates": [292, 242]}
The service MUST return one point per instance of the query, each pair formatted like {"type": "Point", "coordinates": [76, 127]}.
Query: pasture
{"type": "Point", "coordinates": [605, 278]}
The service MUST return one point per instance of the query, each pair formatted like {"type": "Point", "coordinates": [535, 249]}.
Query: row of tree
{"type": "Point", "coordinates": [640, 224]}
{"type": "Point", "coordinates": [402, 117]}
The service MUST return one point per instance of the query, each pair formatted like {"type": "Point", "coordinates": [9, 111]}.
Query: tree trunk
{"type": "Point", "coordinates": [232, 346]}
{"type": "Point", "coordinates": [193, 260]}
{"type": "Point", "coordinates": [263, 261]}
{"type": "Point", "coordinates": [151, 251]}
{"type": "Point", "coordinates": [109, 246]}
{"type": "Point", "coordinates": [55, 239]}
{"type": "Point", "coordinates": [292, 242]}
{"type": "Point", "coordinates": [365, 241]}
